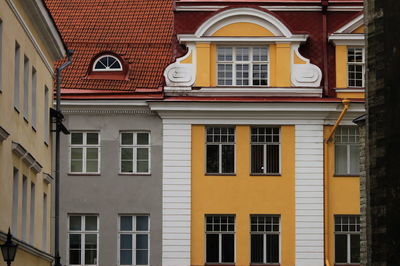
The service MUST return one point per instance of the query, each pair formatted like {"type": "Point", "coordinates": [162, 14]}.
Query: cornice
{"type": "Point", "coordinates": [26, 157]}
{"type": "Point", "coordinates": [101, 111]}
{"type": "Point", "coordinates": [3, 134]}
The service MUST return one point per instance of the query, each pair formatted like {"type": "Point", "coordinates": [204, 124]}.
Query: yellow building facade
{"type": "Point", "coordinates": [29, 45]}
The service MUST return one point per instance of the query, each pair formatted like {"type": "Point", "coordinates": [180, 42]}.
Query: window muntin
{"type": "Point", "coordinates": [265, 231]}
{"type": "Point", "coordinates": [356, 67]}
{"type": "Point", "coordinates": [347, 239]}
{"type": "Point", "coordinates": [107, 63]}
{"type": "Point", "coordinates": [265, 150]}
{"type": "Point", "coordinates": [83, 239]}
{"type": "Point", "coordinates": [135, 152]}
{"type": "Point", "coordinates": [133, 240]}
{"type": "Point", "coordinates": [220, 238]}
{"type": "Point", "coordinates": [85, 152]}
{"type": "Point", "coordinates": [220, 150]}
{"type": "Point", "coordinates": [347, 150]}
{"type": "Point", "coordinates": [242, 66]}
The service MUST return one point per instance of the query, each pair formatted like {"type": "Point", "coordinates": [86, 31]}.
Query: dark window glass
{"type": "Point", "coordinates": [272, 159]}
{"type": "Point", "coordinates": [212, 248]}
{"type": "Point", "coordinates": [355, 248]}
{"type": "Point", "coordinates": [228, 158]}
{"type": "Point", "coordinates": [272, 248]}
{"type": "Point", "coordinates": [341, 248]}
{"type": "Point", "coordinates": [212, 158]}
{"type": "Point", "coordinates": [228, 247]}
{"type": "Point", "coordinates": [257, 248]}
{"type": "Point", "coordinates": [74, 257]}
{"type": "Point", "coordinates": [126, 257]}
{"type": "Point", "coordinates": [257, 158]}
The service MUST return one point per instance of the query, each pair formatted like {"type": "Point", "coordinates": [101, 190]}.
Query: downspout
{"type": "Point", "coordinates": [346, 104]}
{"type": "Point", "coordinates": [325, 4]}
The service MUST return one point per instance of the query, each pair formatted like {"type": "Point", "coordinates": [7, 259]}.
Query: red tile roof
{"type": "Point", "coordinates": [140, 31]}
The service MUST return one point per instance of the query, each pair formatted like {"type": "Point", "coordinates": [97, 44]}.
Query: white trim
{"type": "Point", "coordinates": [346, 8]}
{"type": "Point", "coordinates": [312, 8]}
{"type": "Point", "coordinates": [103, 103]}
{"type": "Point", "coordinates": [107, 68]}
{"type": "Point", "coordinates": [352, 39]}
{"type": "Point", "coordinates": [293, 8]}
{"type": "Point", "coordinates": [245, 91]}
{"type": "Point", "coordinates": [265, 40]}
{"type": "Point", "coordinates": [352, 25]}
{"type": "Point", "coordinates": [198, 8]}
{"type": "Point", "coordinates": [304, 75]}
{"type": "Point", "coordinates": [349, 90]}
{"type": "Point", "coordinates": [36, 45]}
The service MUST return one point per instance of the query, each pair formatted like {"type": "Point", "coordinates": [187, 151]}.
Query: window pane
{"type": "Point", "coordinates": [212, 159]}
{"type": "Point", "coordinates": [92, 167]}
{"type": "Point", "coordinates": [142, 242]}
{"type": "Point", "coordinates": [272, 248]}
{"type": "Point", "coordinates": [90, 249]}
{"type": "Point", "coordinates": [340, 248]}
{"type": "Point", "coordinates": [273, 159]}
{"type": "Point", "coordinates": [126, 257]}
{"type": "Point", "coordinates": [76, 166]}
{"type": "Point", "coordinates": [75, 223]}
{"type": "Point", "coordinates": [126, 241]}
{"type": "Point", "coordinates": [142, 138]}
{"type": "Point", "coordinates": [142, 257]}
{"type": "Point", "coordinates": [92, 138]}
{"type": "Point", "coordinates": [142, 223]}
{"type": "Point", "coordinates": [355, 248]}
{"type": "Point", "coordinates": [127, 166]}
{"type": "Point", "coordinates": [355, 159]}
{"type": "Point", "coordinates": [126, 223]}
{"type": "Point", "coordinates": [340, 159]}
{"type": "Point", "coordinates": [91, 223]}
{"type": "Point", "coordinates": [76, 153]}
{"type": "Point", "coordinates": [257, 158]}
{"type": "Point", "coordinates": [126, 153]}
{"type": "Point", "coordinates": [228, 158]}
{"type": "Point", "coordinates": [212, 248]}
{"type": "Point", "coordinates": [75, 241]}
{"type": "Point", "coordinates": [228, 248]}
{"type": "Point", "coordinates": [92, 154]}
{"type": "Point", "coordinates": [142, 153]}
{"type": "Point", "coordinates": [76, 138]}
{"type": "Point", "coordinates": [90, 241]}
{"type": "Point", "coordinates": [74, 257]}
{"type": "Point", "coordinates": [257, 248]}
{"type": "Point", "coordinates": [142, 166]}
{"type": "Point", "coordinates": [90, 257]}
{"type": "Point", "coordinates": [127, 138]}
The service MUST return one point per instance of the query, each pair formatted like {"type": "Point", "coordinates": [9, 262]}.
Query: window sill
{"type": "Point", "coordinates": [261, 264]}
{"type": "Point", "coordinates": [265, 175]}
{"type": "Point", "coordinates": [133, 174]}
{"type": "Point", "coordinates": [219, 264]}
{"type": "Point", "coordinates": [84, 174]}
{"type": "Point", "coordinates": [232, 174]}
{"type": "Point", "coordinates": [16, 109]}
{"type": "Point", "coordinates": [34, 129]}
{"type": "Point", "coordinates": [353, 176]}
{"type": "Point", "coordinates": [26, 120]}
{"type": "Point", "coordinates": [346, 264]}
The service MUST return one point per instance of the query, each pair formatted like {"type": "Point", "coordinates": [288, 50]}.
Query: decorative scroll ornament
{"type": "Point", "coordinates": [180, 74]}
{"type": "Point", "coordinates": [304, 75]}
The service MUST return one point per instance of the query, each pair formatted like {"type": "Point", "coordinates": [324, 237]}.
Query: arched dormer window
{"type": "Point", "coordinates": [107, 63]}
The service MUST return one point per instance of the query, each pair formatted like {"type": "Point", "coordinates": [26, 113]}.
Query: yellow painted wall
{"type": "Point", "coordinates": [341, 66]}
{"type": "Point", "coordinates": [344, 195]}
{"type": "Point", "coordinates": [21, 130]}
{"type": "Point", "coordinates": [360, 29]}
{"type": "Point", "coordinates": [188, 60]}
{"type": "Point", "coordinates": [351, 95]}
{"type": "Point", "coordinates": [244, 29]}
{"type": "Point", "coordinates": [283, 65]}
{"type": "Point", "coordinates": [243, 195]}
{"type": "Point", "coordinates": [203, 75]}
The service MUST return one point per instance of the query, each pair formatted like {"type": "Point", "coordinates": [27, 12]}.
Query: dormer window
{"type": "Point", "coordinates": [107, 63]}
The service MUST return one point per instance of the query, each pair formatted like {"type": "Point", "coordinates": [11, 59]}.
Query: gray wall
{"type": "Point", "coordinates": [110, 194]}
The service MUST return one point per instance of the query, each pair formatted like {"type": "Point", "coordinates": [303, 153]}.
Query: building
{"type": "Point", "coordinates": [251, 171]}
{"type": "Point", "coordinates": [110, 211]}
{"type": "Point", "coordinates": [29, 46]}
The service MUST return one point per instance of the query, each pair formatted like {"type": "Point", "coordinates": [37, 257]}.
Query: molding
{"type": "Point", "coordinates": [108, 111]}
{"type": "Point", "coordinates": [346, 8]}
{"type": "Point", "coordinates": [18, 149]}
{"type": "Point", "coordinates": [275, 8]}
{"type": "Point", "coordinates": [347, 39]}
{"type": "Point", "coordinates": [293, 8]}
{"type": "Point", "coordinates": [352, 25]}
{"type": "Point", "coordinates": [104, 103]}
{"type": "Point", "coordinates": [244, 92]}
{"type": "Point", "coordinates": [3, 134]}
{"type": "Point", "coordinates": [47, 178]}
{"type": "Point", "coordinates": [349, 90]}
{"type": "Point", "coordinates": [192, 38]}
{"type": "Point", "coordinates": [30, 35]}
{"type": "Point", "coordinates": [304, 75]}
{"type": "Point", "coordinates": [182, 75]}
{"type": "Point", "coordinates": [28, 248]}
{"type": "Point", "coordinates": [29, 159]}
{"type": "Point", "coordinates": [199, 8]}
{"type": "Point", "coordinates": [37, 167]}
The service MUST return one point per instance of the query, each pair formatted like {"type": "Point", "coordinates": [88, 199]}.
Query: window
{"type": "Point", "coordinates": [15, 202]}
{"type": "Point", "coordinates": [85, 152]}
{"type": "Point", "coordinates": [220, 149]}
{"type": "Point", "coordinates": [16, 75]}
{"type": "Point", "coordinates": [46, 114]}
{"type": "Point", "coordinates": [44, 230]}
{"type": "Point", "coordinates": [83, 232]}
{"type": "Point", "coordinates": [220, 238]}
{"type": "Point", "coordinates": [264, 238]}
{"type": "Point", "coordinates": [347, 151]}
{"type": "Point", "coordinates": [24, 205]}
{"type": "Point", "coordinates": [26, 87]}
{"type": "Point", "coordinates": [32, 215]}
{"type": "Point", "coordinates": [135, 152]}
{"type": "Point", "coordinates": [133, 239]}
{"type": "Point", "coordinates": [107, 63]}
{"type": "Point", "coordinates": [347, 239]}
{"type": "Point", "coordinates": [242, 66]}
{"type": "Point", "coordinates": [356, 67]}
{"type": "Point", "coordinates": [265, 150]}
{"type": "Point", "coordinates": [34, 84]}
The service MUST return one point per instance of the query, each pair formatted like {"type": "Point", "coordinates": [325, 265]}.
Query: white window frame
{"type": "Point", "coordinates": [362, 64]}
{"type": "Point", "coordinates": [83, 233]}
{"type": "Point", "coordinates": [84, 147]}
{"type": "Point", "coordinates": [134, 146]}
{"type": "Point", "coordinates": [220, 144]}
{"type": "Point", "coordinates": [265, 233]}
{"type": "Point", "coordinates": [220, 233]}
{"type": "Point", "coordinates": [348, 153]}
{"type": "Point", "coordinates": [348, 238]}
{"type": "Point", "coordinates": [250, 62]}
{"type": "Point", "coordinates": [134, 232]}
{"type": "Point", "coordinates": [107, 67]}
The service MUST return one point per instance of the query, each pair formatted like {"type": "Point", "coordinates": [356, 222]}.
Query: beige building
{"type": "Point", "coordinates": [29, 46]}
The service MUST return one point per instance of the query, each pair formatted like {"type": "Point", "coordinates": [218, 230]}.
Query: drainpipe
{"type": "Point", "coordinates": [325, 4]}
{"type": "Point", "coordinates": [59, 128]}
{"type": "Point", "coordinates": [346, 104]}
